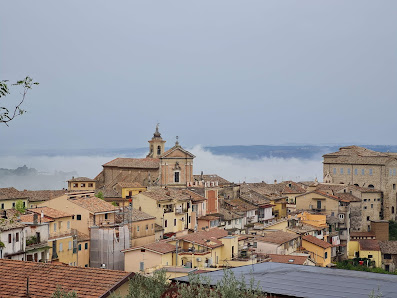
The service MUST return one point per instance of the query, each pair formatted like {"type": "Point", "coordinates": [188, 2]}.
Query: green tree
{"type": "Point", "coordinates": [100, 195]}
{"type": "Point", "coordinates": [61, 293]}
{"type": "Point", "coordinates": [19, 206]}
{"type": "Point", "coordinates": [8, 114]}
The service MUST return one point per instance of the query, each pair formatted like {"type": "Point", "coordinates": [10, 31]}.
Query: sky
{"type": "Point", "coordinates": [212, 72]}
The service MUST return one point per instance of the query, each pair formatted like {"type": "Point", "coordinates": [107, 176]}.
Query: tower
{"type": "Point", "coordinates": [156, 144]}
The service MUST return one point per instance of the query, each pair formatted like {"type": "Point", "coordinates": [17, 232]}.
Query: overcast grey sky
{"type": "Point", "coordinates": [212, 72]}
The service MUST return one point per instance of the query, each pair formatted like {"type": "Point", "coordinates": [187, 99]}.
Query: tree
{"type": "Point", "coordinates": [99, 195]}
{"type": "Point", "coordinates": [7, 114]}
{"type": "Point", "coordinates": [20, 207]}
{"type": "Point", "coordinates": [61, 293]}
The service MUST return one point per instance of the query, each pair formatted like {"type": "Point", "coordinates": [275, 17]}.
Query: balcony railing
{"type": "Point", "coordinates": [181, 211]}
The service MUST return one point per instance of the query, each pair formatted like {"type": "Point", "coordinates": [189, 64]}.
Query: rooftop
{"type": "Point", "coordinates": [161, 247]}
{"type": "Point", "coordinates": [94, 204]}
{"type": "Point", "coordinates": [316, 241]}
{"type": "Point", "coordinates": [166, 194]}
{"type": "Point", "coordinates": [50, 212]}
{"type": "Point", "coordinates": [369, 244]}
{"type": "Point", "coordinates": [11, 193]}
{"type": "Point", "coordinates": [138, 215]}
{"type": "Point", "coordinates": [277, 237]}
{"type": "Point", "coordinates": [45, 277]}
{"type": "Point", "coordinates": [212, 178]}
{"type": "Point", "coordinates": [136, 163]}
{"type": "Point", "coordinates": [388, 247]}
{"type": "Point", "coordinates": [44, 195]}
{"type": "Point", "coordinates": [288, 259]}
{"type": "Point", "coordinates": [28, 218]}
{"type": "Point", "coordinates": [310, 281]}
{"type": "Point", "coordinates": [81, 179]}
{"type": "Point", "coordinates": [206, 238]}
{"type": "Point", "coordinates": [9, 224]}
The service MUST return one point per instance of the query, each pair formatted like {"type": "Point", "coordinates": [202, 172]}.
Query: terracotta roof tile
{"type": "Point", "coordinates": [316, 241]}
{"type": "Point", "coordinates": [81, 179]}
{"type": "Point", "coordinates": [194, 196]}
{"type": "Point", "coordinates": [45, 277]}
{"type": "Point", "coordinates": [206, 238]}
{"type": "Point", "coordinates": [166, 194]}
{"type": "Point", "coordinates": [50, 212]}
{"type": "Point", "coordinates": [129, 184]}
{"type": "Point", "coordinates": [44, 195]}
{"type": "Point", "coordinates": [28, 218]}
{"type": "Point", "coordinates": [136, 163]}
{"type": "Point", "coordinates": [277, 237]}
{"type": "Point", "coordinates": [369, 244]}
{"type": "Point", "coordinates": [93, 204]}
{"type": "Point", "coordinates": [161, 247]}
{"type": "Point", "coordinates": [288, 259]}
{"type": "Point", "coordinates": [11, 193]}
{"type": "Point", "coordinates": [9, 224]}
{"type": "Point", "coordinates": [138, 215]}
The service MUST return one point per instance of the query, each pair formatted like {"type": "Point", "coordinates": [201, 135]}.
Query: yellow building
{"type": "Point", "coordinates": [129, 189]}
{"type": "Point", "coordinates": [62, 239]}
{"type": "Point", "coordinates": [171, 207]}
{"type": "Point", "coordinates": [142, 228]}
{"type": "Point", "coordinates": [365, 249]}
{"type": "Point", "coordinates": [83, 250]}
{"type": "Point", "coordinates": [279, 207]}
{"type": "Point", "coordinates": [320, 251]}
{"type": "Point", "coordinates": [9, 196]}
{"type": "Point", "coordinates": [87, 210]}
{"type": "Point", "coordinates": [81, 183]}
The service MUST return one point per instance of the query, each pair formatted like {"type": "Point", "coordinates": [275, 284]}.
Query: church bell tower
{"type": "Point", "coordinates": [156, 144]}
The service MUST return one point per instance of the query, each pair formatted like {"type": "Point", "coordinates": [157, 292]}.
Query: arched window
{"type": "Point", "coordinates": [356, 185]}
{"type": "Point", "coordinates": [371, 186]}
{"type": "Point", "coordinates": [158, 150]}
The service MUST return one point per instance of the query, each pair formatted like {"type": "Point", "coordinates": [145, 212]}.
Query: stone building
{"type": "Point", "coordinates": [366, 168]}
{"type": "Point", "coordinates": [173, 167]}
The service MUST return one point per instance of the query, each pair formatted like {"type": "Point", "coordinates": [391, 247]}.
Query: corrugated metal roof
{"type": "Point", "coordinates": [310, 281]}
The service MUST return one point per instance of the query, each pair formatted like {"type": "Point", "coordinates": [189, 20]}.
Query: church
{"type": "Point", "coordinates": [173, 168]}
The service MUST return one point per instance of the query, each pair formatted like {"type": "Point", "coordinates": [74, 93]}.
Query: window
{"type": "Point", "coordinates": [392, 209]}
{"type": "Point", "coordinates": [17, 237]}
{"type": "Point", "coordinates": [82, 184]}
{"type": "Point", "coordinates": [394, 172]}
{"type": "Point", "coordinates": [158, 150]}
{"type": "Point", "coordinates": [78, 216]}
{"type": "Point", "coordinates": [9, 238]}
{"type": "Point", "coordinates": [55, 227]}
{"type": "Point", "coordinates": [365, 207]}
{"type": "Point", "coordinates": [174, 221]}
{"type": "Point", "coordinates": [86, 245]}
{"type": "Point", "coordinates": [79, 247]}
{"type": "Point", "coordinates": [348, 171]}
{"type": "Point", "coordinates": [70, 245]}
{"type": "Point", "coordinates": [370, 172]}
{"type": "Point", "coordinates": [137, 228]}
{"type": "Point", "coordinates": [341, 171]}
{"type": "Point", "coordinates": [90, 184]}
{"type": "Point", "coordinates": [341, 216]}
{"type": "Point", "coordinates": [368, 218]}
{"type": "Point", "coordinates": [372, 206]}
{"type": "Point", "coordinates": [13, 205]}
{"type": "Point", "coordinates": [141, 266]}
{"type": "Point", "coordinates": [371, 186]}
{"type": "Point", "coordinates": [152, 226]}
{"type": "Point", "coordinates": [86, 265]}
{"type": "Point", "coordinates": [334, 170]}
{"type": "Point", "coordinates": [165, 223]}
{"type": "Point", "coordinates": [370, 256]}
{"type": "Point", "coordinates": [325, 255]}
{"type": "Point", "coordinates": [390, 172]}
{"type": "Point", "coordinates": [176, 178]}
{"type": "Point", "coordinates": [24, 205]}
{"type": "Point", "coordinates": [147, 227]}
{"type": "Point", "coordinates": [106, 216]}
{"type": "Point", "coordinates": [394, 188]}
{"type": "Point", "coordinates": [387, 256]}
{"type": "Point", "coordinates": [60, 246]}
{"type": "Point", "coordinates": [355, 172]}
{"type": "Point", "coordinates": [2, 205]}
{"type": "Point", "coordinates": [387, 267]}
{"type": "Point", "coordinates": [189, 218]}
{"type": "Point", "coordinates": [60, 225]}
{"type": "Point", "coordinates": [365, 200]}
{"type": "Point", "coordinates": [362, 172]}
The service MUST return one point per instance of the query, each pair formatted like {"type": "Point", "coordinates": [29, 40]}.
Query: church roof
{"type": "Point", "coordinates": [136, 163]}
{"type": "Point", "coordinates": [176, 147]}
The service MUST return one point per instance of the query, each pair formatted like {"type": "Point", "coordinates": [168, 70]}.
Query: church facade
{"type": "Point", "coordinates": [173, 168]}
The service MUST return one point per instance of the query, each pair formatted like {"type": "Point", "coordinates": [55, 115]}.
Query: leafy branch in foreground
{"type": "Point", "coordinates": [5, 114]}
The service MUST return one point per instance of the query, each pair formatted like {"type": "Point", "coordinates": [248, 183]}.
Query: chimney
{"type": "Point", "coordinates": [35, 218]}
{"type": "Point", "coordinates": [202, 176]}
{"type": "Point", "coordinates": [275, 181]}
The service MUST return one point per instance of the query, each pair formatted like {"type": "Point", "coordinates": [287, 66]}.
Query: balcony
{"type": "Point", "coordinates": [181, 211]}
{"type": "Point", "coordinates": [321, 209]}
{"type": "Point", "coordinates": [168, 210]}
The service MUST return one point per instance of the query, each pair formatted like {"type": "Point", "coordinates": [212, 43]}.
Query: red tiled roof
{"type": "Point", "coordinates": [28, 218]}
{"type": "Point", "coordinates": [166, 194]}
{"type": "Point", "coordinates": [50, 212]}
{"type": "Point", "coordinates": [369, 244]}
{"type": "Point", "coordinates": [10, 193]}
{"type": "Point", "coordinates": [288, 259]}
{"type": "Point", "coordinates": [43, 195]}
{"type": "Point", "coordinates": [93, 204]}
{"type": "Point", "coordinates": [136, 163]}
{"type": "Point", "coordinates": [316, 241]}
{"type": "Point", "coordinates": [194, 196]}
{"type": "Point", "coordinates": [202, 237]}
{"type": "Point", "coordinates": [277, 237]}
{"type": "Point", "coordinates": [129, 184]}
{"type": "Point", "coordinates": [45, 277]}
{"type": "Point", "coordinates": [161, 247]}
